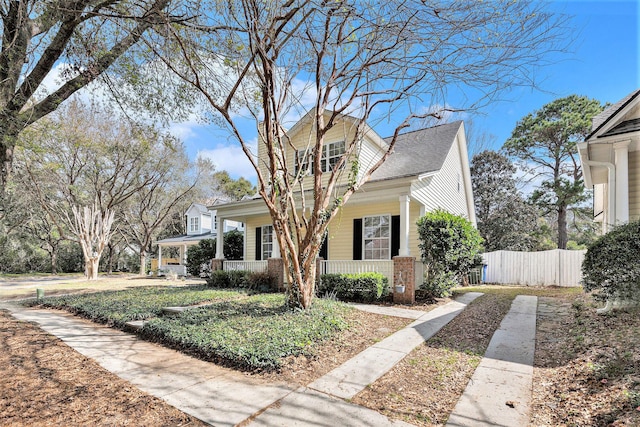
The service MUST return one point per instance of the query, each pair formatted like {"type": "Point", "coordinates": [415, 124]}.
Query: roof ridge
{"type": "Point", "coordinates": [427, 128]}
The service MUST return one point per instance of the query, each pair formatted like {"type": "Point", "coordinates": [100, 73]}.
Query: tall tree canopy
{"type": "Point", "coordinates": [233, 189]}
{"type": "Point", "coordinates": [371, 61]}
{"type": "Point", "coordinates": [505, 220]}
{"type": "Point", "coordinates": [545, 143]}
{"type": "Point", "coordinates": [82, 39]}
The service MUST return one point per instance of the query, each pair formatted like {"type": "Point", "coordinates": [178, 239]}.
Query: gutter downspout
{"type": "Point", "coordinates": [611, 189]}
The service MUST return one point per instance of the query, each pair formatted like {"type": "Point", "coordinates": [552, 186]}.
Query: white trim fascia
{"type": "Point", "coordinates": [615, 119]}
{"type": "Point", "coordinates": [368, 132]}
{"type": "Point", "coordinates": [426, 175]}
{"type": "Point", "coordinates": [583, 154]}
{"type": "Point", "coordinates": [466, 172]}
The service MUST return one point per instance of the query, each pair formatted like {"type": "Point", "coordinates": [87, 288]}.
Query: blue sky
{"type": "Point", "coordinates": [603, 63]}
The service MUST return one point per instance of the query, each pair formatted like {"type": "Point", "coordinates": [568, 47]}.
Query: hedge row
{"type": "Point", "coordinates": [256, 281]}
{"type": "Point", "coordinates": [364, 287]}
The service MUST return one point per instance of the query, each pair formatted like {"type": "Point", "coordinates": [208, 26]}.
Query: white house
{"type": "Point", "coordinates": [201, 224]}
{"type": "Point", "coordinates": [610, 157]}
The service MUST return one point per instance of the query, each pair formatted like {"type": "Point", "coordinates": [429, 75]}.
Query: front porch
{"type": "Point", "coordinates": [175, 263]}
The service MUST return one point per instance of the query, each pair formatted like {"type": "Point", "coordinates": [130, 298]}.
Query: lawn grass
{"type": "Point", "coordinates": [118, 307]}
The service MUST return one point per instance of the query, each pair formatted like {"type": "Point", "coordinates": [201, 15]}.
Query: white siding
{"type": "Point", "coordinates": [445, 189]}
{"type": "Point", "coordinates": [634, 185]}
{"type": "Point", "coordinates": [369, 154]}
{"type": "Point", "coordinates": [205, 223]}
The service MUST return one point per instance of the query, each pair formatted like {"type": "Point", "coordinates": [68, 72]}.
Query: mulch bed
{"type": "Point", "coordinates": [587, 366]}
{"type": "Point", "coordinates": [45, 382]}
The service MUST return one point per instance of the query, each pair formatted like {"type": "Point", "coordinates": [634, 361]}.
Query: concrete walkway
{"type": "Point", "coordinates": [224, 397]}
{"type": "Point", "coordinates": [353, 376]}
{"type": "Point", "coordinates": [499, 393]}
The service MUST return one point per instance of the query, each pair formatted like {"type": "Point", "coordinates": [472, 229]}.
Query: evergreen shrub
{"type": "Point", "coordinates": [362, 287]}
{"type": "Point", "coordinates": [611, 267]}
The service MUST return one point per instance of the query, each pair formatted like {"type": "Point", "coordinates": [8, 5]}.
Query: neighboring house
{"type": "Point", "coordinates": [610, 157]}
{"type": "Point", "coordinates": [200, 224]}
{"type": "Point", "coordinates": [428, 169]}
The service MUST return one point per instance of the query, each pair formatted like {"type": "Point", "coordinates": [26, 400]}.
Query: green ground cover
{"type": "Point", "coordinates": [251, 332]}
{"type": "Point", "coordinates": [255, 333]}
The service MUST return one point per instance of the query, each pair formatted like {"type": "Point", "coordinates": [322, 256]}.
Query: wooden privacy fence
{"type": "Point", "coordinates": [556, 267]}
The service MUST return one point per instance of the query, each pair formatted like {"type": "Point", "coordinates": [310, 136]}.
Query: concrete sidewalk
{"type": "Point", "coordinates": [499, 392]}
{"type": "Point", "coordinates": [354, 375]}
{"type": "Point", "coordinates": [224, 397]}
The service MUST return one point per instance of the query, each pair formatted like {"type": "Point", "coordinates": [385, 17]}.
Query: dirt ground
{"type": "Point", "coordinates": [587, 370]}
{"type": "Point", "coordinates": [46, 383]}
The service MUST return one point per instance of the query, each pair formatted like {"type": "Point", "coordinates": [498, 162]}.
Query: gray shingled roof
{"type": "Point", "coordinates": [418, 152]}
{"type": "Point", "coordinates": [601, 119]}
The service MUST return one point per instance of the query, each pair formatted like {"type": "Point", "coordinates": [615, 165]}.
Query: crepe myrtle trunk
{"type": "Point", "coordinates": [301, 270]}
{"type": "Point", "coordinates": [91, 267]}
{"type": "Point", "coordinates": [302, 282]}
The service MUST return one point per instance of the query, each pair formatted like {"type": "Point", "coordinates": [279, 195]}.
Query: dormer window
{"type": "Point", "coordinates": [331, 154]}
{"type": "Point", "coordinates": [194, 224]}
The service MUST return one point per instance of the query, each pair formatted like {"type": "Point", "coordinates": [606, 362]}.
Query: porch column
{"type": "Point", "coordinates": [159, 256]}
{"type": "Point", "coordinates": [404, 225]}
{"type": "Point", "coordinates": [621, 150]}
{"type": "Point", "coordinates": [183, 254]}
{"type": "Point", "coordinates": [275, 246]}
{"type": "Point", "coordinates": [219, 238]}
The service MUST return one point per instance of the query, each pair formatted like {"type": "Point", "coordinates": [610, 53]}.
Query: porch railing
{"type": "Point", "coordinates": [253, 266]}
{"type": "Point", "coordinates": [384, 267]}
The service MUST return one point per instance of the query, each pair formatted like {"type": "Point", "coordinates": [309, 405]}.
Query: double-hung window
{"type": "Point", "coordinates": [194, 224]}
{"type": "Point", "coordinates": [377, 237]}
{"type": "Point", "coordinates": [267, 241]}
{"type": "Point", "coordinates": [304, 162]}
{"type": "Point", "coordinates": [331, 154]}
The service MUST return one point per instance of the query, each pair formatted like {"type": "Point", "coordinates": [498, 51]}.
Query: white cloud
{"type": "Point", "coordinates": [231, 158]}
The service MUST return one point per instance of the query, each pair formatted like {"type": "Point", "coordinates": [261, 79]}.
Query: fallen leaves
{"type": "Point", "coordinates": [45, 382]}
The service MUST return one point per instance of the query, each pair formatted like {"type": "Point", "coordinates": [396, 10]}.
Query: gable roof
{"type": "Point", "coordinates": [200, 208]}
{"type": "Point", "coordinates": [603, 118]}
{"type": "Point", "coordinates": [418, 152]}
{"type": "Point", "coordinates": [309, 117]}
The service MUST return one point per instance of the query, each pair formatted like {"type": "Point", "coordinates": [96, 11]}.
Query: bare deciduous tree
{"type": "Point", "coordinates": [91, 226]}
{"type": "Point", "coordinates": [346, 63]}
